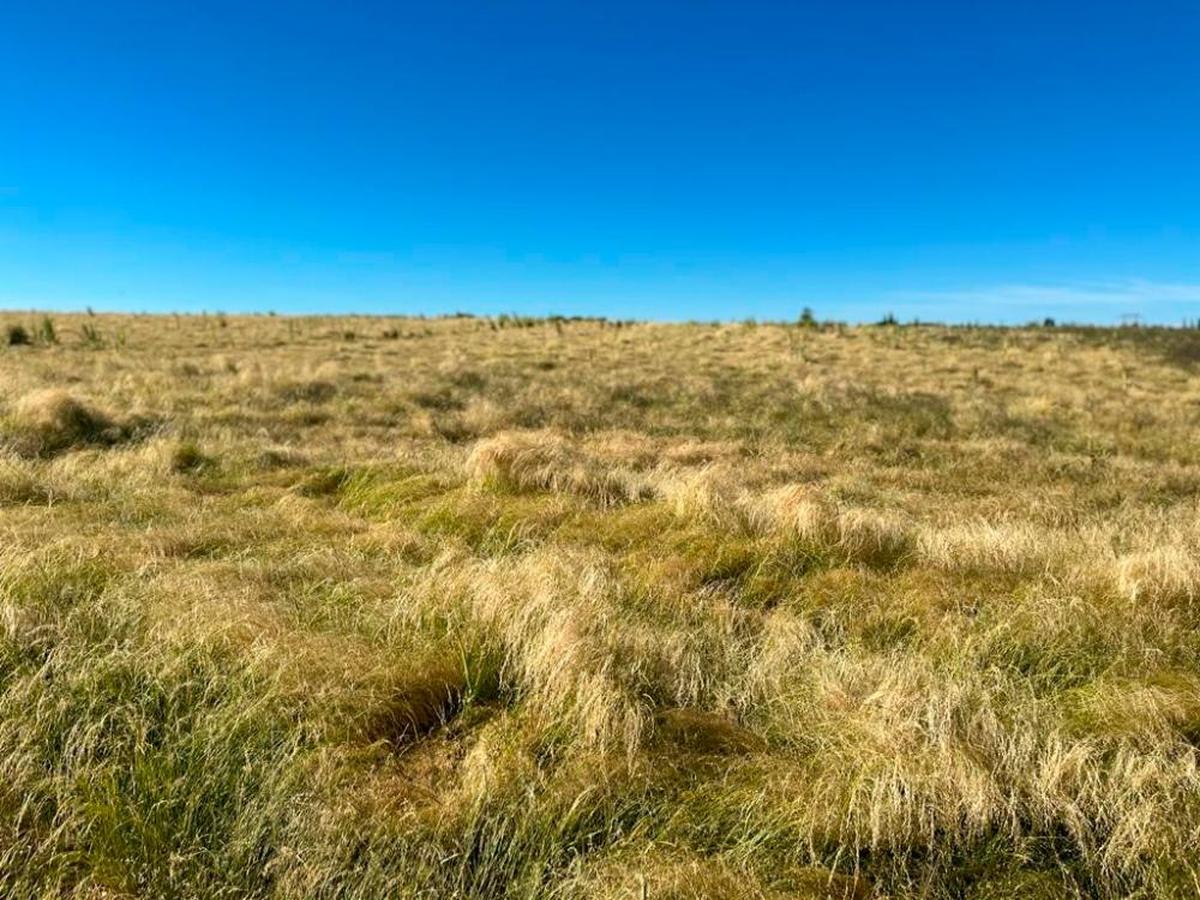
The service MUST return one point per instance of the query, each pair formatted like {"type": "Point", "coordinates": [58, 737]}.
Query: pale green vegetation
{"type": "Point", "coordinates": [366, 608]}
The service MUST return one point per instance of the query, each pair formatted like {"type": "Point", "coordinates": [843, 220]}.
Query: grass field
{"type": "Point", "coordinates": [463, 607]}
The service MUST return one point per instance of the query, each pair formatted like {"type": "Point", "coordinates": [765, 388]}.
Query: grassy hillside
{"type": "Point", "coordinates": [469, 608]}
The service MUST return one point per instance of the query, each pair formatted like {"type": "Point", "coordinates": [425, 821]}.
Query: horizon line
{"type": "Point", "coordinates": [1134, 322]}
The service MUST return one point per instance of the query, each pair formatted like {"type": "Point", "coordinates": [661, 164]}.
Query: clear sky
{"type": "Point", "coordinates": [994, 161]}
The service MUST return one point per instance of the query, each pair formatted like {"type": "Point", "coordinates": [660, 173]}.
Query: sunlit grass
{"type": "Point", "coordinates": [471, 608]}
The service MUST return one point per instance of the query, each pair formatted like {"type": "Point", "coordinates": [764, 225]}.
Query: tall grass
{"type": "Point", "coordinates": [571, 610]}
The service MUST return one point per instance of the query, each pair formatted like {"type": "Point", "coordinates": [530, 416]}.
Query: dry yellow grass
{"type": "Point", "coordinates": [545, 461]}
{"type": "Point", "coordinates": [51, 420]}
{"type": "Point", "coordinates": [468, 608]}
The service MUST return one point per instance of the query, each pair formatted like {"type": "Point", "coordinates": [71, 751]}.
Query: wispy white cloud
{"type": "Point", "coordinates": [1099, 302]}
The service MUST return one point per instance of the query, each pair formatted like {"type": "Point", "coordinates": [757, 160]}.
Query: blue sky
{"type": "Point", "coordinates": [959, 161]}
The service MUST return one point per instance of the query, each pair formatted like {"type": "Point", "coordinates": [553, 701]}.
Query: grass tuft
{"type": "Point", "coordinates": [545, 461]}
{"type": "Point", "coordinates": [51, 421]}
{"type": "Point", "coordinates": [186, 456]}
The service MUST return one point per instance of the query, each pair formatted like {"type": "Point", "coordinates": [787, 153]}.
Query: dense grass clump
{"type": "Point", "coordinates": [549, 462]}
{"type": "Point", "coordinates": [522, 608]}
{"type": "Point", "coordinates": [49, 421]}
